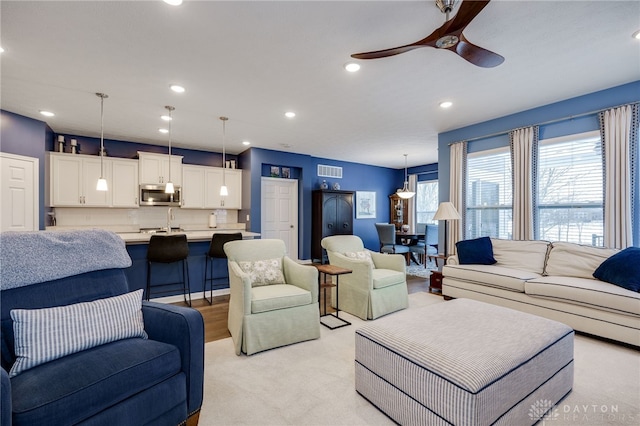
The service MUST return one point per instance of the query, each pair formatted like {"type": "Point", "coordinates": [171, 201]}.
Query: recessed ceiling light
{"type": "Point", "coordinates": [173, 2]}
{"type": "Point", "coordinates": [636, 35]}
{"type": "Point", "coordinates": [47, 113]}
{"type": "Point", "coordinates": [177, 89]}
{"type": "Point", "coordinates": [446, 104]}
{"type": "Point", "coordinates": [351, 66]}
{"type": "Point", "coordinates": [166, 118]}
{"type": "Point", "coordinates": [163, 130]}
{"type": "Point", "coordinates": [246, 143]}
{"type": "Point", "coordinates": [290, 114]}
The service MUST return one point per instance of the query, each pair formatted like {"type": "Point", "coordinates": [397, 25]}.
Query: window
{"type": "Point", "coordinates": [570, 194]}
{"type": "Point", "coordinates": [489, 199]}
{"type": "Point", "coordinates": [426, 201]}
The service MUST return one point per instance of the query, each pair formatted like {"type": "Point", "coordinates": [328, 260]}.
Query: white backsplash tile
{"type": "Point", "coordinates": [143, 217]}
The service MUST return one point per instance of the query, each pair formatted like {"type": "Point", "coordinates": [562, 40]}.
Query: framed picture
{"type": "Point", "coordinates": [286, 173]}
{"type": "Point", "coordinates": [365, 205]}
{"type": "Point", "coordinates": [275, 171]}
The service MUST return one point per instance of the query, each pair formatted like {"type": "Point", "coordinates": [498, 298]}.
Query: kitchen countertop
{"type": "Point", "coordinates": [192, 236]}
{"type": "Point", "coordinates": [132, 234]}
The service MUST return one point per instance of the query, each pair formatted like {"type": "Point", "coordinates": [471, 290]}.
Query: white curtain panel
{"type": "Point", "coordinates": [413, 185]}
{"type": "Point", "coordinates": [616, 136]}
{"type": "Point", "coordinates": [458, 154]}
{"type": "Point", "coordinates": [523, 142]}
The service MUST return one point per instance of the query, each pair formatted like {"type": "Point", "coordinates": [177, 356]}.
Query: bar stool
{"type": "Point", "coordinates": [169, 249]}
{"type": "Point", "coordinates": [215, 252]}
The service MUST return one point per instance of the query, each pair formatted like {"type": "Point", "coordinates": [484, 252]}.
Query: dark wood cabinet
{"type": "Point", "coordinates": [332, 214]}
{"type": "Point", "coordinates": [398, 213]}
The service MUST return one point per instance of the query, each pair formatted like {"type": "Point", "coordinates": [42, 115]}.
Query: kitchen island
{"type": "Point", "coordinates": [199, 240]}
{"type": "Point", "coordinates": [137, 241]}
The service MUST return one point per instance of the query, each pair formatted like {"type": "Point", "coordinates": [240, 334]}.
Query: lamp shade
{"type": "Point", "coordinates": [446, 211]}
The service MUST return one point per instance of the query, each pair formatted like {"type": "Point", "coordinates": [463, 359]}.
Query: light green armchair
{"type": "Point", "coordinates": [378, 284]}
{"type": "Point", "coordinates": [274, 300]}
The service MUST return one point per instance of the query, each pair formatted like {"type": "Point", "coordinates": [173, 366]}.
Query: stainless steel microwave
{"type": "Point", "coordinates": [154, 195]}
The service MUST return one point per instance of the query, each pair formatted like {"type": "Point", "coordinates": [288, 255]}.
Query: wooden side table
{"type": "Point", "coordinates": [435, 257]}
{"type": "Point", "coordinates": [334, 271]}
{"type": "Point", "coordinates": [435, 283]}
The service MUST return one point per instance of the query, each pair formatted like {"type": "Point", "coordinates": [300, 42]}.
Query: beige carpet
{"type": "Point", "coordinates": [311, 383]}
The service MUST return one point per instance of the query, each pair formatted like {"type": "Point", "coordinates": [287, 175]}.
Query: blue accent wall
{"type": "Point", "coordinates": [20, 135]}
{"type": "Point", "coordinates": [559, 114]}
{"type": "Point", "coordinates": [356, 177]}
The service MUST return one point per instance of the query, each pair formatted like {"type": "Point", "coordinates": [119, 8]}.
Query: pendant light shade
{"type": "Point", "coordinates": [102, 182]}
{"type": "Point", "coordinates": [404, 192]}
{"type": "Point", "coordinates": [223, 189]}
{"type": "Point", "coordinates": [168, 187]}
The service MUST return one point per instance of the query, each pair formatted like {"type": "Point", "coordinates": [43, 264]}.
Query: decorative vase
{"type": "Point", "coordinates": [324, 185]}
{"type": "Point", "coordinates": [405, 228]}
{"type": "Point", "coordinates": [336, 186]}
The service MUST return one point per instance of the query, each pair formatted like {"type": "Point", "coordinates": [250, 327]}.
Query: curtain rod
{"type": "Point", "coordinates": [571, 117]}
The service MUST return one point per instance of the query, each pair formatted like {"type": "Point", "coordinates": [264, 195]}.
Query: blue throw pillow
{"type": "Point", "coordinates": [621, 269]}
{"type": "Point", "coordinates": [478, 251]}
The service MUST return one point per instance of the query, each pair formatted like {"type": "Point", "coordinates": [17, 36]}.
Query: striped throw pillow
{"type": "Point", "coordinates": [42, 335]}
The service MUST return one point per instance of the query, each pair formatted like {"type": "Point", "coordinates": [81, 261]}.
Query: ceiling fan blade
{"type": "Point", "coordinates": [467, 11]}
{"type": "Point", "coordinates": [428, 41]}
{"type": "Point", "coordinates": [386, 52]}
{"type": "Point", "coordinates": [475, 54]}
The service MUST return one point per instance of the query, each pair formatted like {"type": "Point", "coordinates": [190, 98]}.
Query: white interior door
{"type": "Point", "coordinates": [19, 193]}
{"type": "Point", "coordinates": [279, 212]}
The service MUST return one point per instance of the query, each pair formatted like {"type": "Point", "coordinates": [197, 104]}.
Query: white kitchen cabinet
{"type": "Point", "coordinates": [73, 179]}
{"type": "Point", "coordinates": [154, 168]}
{"type": "Point", "coordinates": [201, 188]}
{"type": "Point", "coordinates": [193, 187]}
{"type": "Point", "coordinates": [124, 183]}
{"type": "Point", "coordinates": [233, 179]}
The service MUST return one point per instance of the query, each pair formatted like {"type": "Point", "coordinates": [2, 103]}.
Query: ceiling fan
{"type": "Point", "coordinates": [449, 36]}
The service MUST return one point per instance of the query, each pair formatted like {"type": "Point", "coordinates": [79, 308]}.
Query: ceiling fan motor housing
{"type": "Point", "coordinates": [446, 6]}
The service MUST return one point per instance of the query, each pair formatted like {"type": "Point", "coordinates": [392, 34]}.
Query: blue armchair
{"type": "Point", "coordinates": [133, 381]}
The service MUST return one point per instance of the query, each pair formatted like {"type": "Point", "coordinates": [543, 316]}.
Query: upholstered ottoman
{"type": "Point", "coordinates": [464, 362]}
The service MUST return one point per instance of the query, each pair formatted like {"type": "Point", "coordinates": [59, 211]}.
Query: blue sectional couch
{"type": "Point", "coordinates": [133, 381]}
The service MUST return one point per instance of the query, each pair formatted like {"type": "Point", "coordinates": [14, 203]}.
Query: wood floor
{"type": "Point", "coordinates": [215, 315]}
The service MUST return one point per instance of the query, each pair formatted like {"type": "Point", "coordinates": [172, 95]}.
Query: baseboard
{"type": "Point", "coordinates": [194, 296]}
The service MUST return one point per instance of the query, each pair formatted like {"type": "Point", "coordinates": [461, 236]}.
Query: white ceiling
{"type": "Point", "coordinates": [252, 61]}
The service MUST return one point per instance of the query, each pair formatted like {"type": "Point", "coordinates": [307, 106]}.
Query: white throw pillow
{"type": "Point", "coordinates": [360, 255]}
{"type": "Point", "coordinates": [528, 255]}
{"type": "Point", "coordinates": [263, 272]}
{"type": "Point", "coordinates": [43, 335]}
{"type": "Point", "coordinates": [574, 260]}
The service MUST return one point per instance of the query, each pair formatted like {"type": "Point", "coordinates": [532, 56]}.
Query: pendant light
{"type": "Point", "coordinates": [404, 192]}
{"type": "Point", "coordinates": [102, 182]}
{"type": "Point", "coordinates": [168, 188]}
{"type": "Point", "coordinates": [223, 189]}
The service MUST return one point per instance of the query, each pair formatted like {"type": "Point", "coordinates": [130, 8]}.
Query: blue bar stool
{"type": "Point", "coordinates": [216, 251]}
{"type": "Point", "coordinates": [169, 249]}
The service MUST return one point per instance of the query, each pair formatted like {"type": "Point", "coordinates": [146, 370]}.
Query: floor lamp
{"type": "Point", "coordinates": [446, 211]}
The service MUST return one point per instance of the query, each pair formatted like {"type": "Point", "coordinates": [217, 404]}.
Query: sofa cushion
{"type": "Point", "coordinates": [387, 277]}
{"type": "Point", "coordinates": [263, 272]}
{"type": "Point", "coordinates": [278, 296]}
{"type": "Point", "coordinates": [73, 388]}
{"type": "Point", "coordinates": [575, 260]}
{"type": "Point", "coordinates": [476, 251]}
{"type": "Point", "coordinates": [528, 255]}
{"type": "Point", "coordinates": [491, 275]}
{"type": "Point", "coordinates": [586, 292]}
{"type": "Point", "coordinates": [42, 335]}
{"type": "Point", "coordinates": [621, 269]}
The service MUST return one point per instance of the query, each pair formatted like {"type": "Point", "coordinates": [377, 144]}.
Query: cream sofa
{"type": "Point", "coordinates": [553, 280]}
